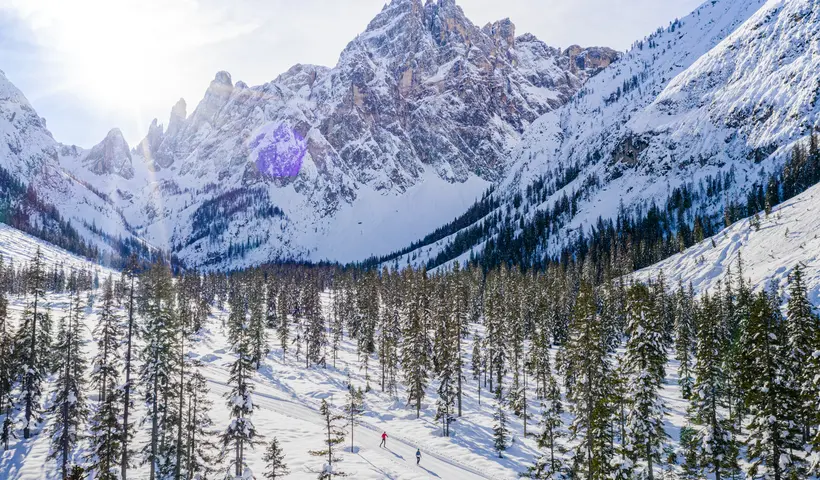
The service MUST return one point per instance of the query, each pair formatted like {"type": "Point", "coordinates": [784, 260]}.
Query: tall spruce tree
{"type": "Point", "coordinates": [774, 436]}
{"type": "Point", "coordinates": [501, 432]}
{"type": "Point", "coordinates": [241, 432]}
{"type": "Point", "coordinates": [129, 291]}
{"type": "Point", "coordinates": [8, 365]}
{"type": "Point", "coordinates": [354, 409]}
{"type": "Point", "coordinates": [803, 340]}
{"type": "Point", "coordinates": [588, 358]}
{"type": "Point", "coordinates": [685, 338]}
{"type": "Point", "coordinates": [159, 366]}
{"type": "Point", "coordinates": [549, 465]}
{"type": "Point", "coordinates": [105, 428]}
{"type": "Point", "coordinates": [416, 341]}
{"type": "Point", "coordinates": [715, 446]}
{"type": "Point", "coordinates": [257, 323]}
{"type": "Point", "coordinates": [69, 408]}
{"type": "Point", "coordinates": [274, 459]}
{"type": "Point", "coordinates": [315, 333]}
{"type": "Point", "coordinates": [644, 363]}
{"type": "Point", "coordinates": [32, 366]}
{"type": "Point", "coordinates": [445, 356]}
{"type": "Point", "coordinates": [334, 436]}
{"type": "Point", "coordinates": [200, 447]}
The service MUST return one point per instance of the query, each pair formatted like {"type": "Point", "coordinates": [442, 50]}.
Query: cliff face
{"type": "Point", "coordinates": [422, 100]}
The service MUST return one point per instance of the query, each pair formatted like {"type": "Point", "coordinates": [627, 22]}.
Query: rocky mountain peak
{"type": "Point", "coordinates": [592, 59]}
{"type": "Point", "coordinates": [502, 32]}
{"type": "Point", "coordinates": [111, 156]}
{"type": "Point", "coordinates": [222, 78]}
{"type": "Point", "coordinates": [178, 116]}
{"type": "Point", "coordinates": [216, 96]}
{"type": "Point", "coordinates": [422, 96]}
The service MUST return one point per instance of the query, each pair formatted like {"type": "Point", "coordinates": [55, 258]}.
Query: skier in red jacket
{"type": "Point", "coordinates": [384, 440]}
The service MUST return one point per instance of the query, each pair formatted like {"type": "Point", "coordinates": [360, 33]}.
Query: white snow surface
{"type": "Point", "coordinates": [286, 400]}
{"type": "Point", "coordinates": [789, 236]}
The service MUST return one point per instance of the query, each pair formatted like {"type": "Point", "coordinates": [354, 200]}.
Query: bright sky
{"type": "Point", "coordinates": [90, 65]}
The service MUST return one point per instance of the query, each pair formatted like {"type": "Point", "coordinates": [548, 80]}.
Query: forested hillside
{"type": "Point", "coordinates": [550, 374]}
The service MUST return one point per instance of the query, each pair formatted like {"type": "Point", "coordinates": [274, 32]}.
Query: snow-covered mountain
{"type": "Point", "coordinates": [403, 134]}
{"type": "Point", "coordinates": [59, 207]}
{"type": "Point", "coordinates": [723, 93]}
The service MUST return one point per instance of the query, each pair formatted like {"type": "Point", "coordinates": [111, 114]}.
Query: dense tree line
{"type": "Point", "coordinates": [544, 344]}
{"type": "Point", "coordinates": [518, 232]}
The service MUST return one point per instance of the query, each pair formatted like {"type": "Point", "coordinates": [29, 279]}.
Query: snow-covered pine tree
{"type": "Point", "coordinates": [69, 409]}
{"type": "Point", "coordinates": [548, 465]}
{"type": "Point", "coordinates": [685, 339]}
{"type": "Point", "coordinates": [354, 409]}
{"type": "Point", "coordinates": [774, 435]}
{"type": "Point", "coordinates": [315, 331]}
{"type": "Point", "coordinates": [271, 309]}
{"type": "Point", "coordinates": [257, 328]}
{"type": "Point", "coordinates": [283, 325]}
{"type": "Point", "coordinates": [803, 335]}
{"type": "Point", "coordinates": [367, 306]}
{"type": "Point", "coordinates": [623, 457]}
{"type": "Point", "coordinates": [202, 303]}
{"type": "Point", "coordinates": [495, 328]}
{"type": "Point", "coordinates": [389, 331]}
{"type": "Point", "coordinates": [7, 364]}
{"type": "Point", "coordinates": [735, 309]}
{"type": "Point", "coordinates": [644, 363]}
{"type": "Point", "coordinates": [129, 276]}
{"type": "Point", "coordinates": [513, 293]}
{"type": "Point", "coordinates": [477, 362]}
{"type": "Point", "coordinates": [200, 448]}
{"type": "Point", "coordinates": [588, 358]}
{"type": "Point", "coordinates": [105, 428]}
{"type": "Point", "coordinates": [415, 339]}
{"type": "Point", "coordinates": [715, 446]}
{"type": "Point", "coordinates": [459, 310]}
{"type": "Point", "coordinates": [241, 433]}
{"type": "Point", "coordinates": [539, 354]}
{"type": "Point", "coordinates": [334, 436]}
{"type": "Point", "coordinates": [32, 367]}
{"type": "Point", "coordinates": [159, 365]}
{"type": "Point", "coordinates": [336, 320]}
{"type": "Point", "coordinates": [274, 459]}
{"type": "Point", "coordinates": [444, 354]}
{"type": "Point", "coordinates": [501, 432]}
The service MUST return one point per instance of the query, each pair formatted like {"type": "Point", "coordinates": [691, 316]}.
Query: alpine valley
{"type": "Point", "coordinates": [460, 253]}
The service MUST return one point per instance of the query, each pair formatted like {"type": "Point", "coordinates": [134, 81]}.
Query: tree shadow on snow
{"type": "Point", "coordinates": [430, 472]}
{"type": "Point", "coordinates": [395, 454]}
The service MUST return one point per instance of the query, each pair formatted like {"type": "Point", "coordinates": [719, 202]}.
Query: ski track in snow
{"type": "Point", "coordinates": [286, 398]}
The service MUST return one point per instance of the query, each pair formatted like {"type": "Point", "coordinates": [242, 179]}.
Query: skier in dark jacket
{"type": "Point", "coordinates": [418, 456]}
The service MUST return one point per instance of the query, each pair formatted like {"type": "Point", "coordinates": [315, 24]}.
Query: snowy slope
{"type": "Point", "coordinates": [728, 88]}
{"type": "Point", "coordinates": [287, 397]}
{"type": "Point", "coordinates": [789, 236]}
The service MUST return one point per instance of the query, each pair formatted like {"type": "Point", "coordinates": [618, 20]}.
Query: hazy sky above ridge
{"type": "Point", "coordinates": [90, 65]}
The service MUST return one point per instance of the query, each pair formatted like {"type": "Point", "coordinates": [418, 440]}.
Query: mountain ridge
{"type": "Point", "coordinates": [423, 101]}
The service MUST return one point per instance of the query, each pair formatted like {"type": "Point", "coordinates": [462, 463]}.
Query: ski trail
{"type": "Point", "coordinates": [396, 461]}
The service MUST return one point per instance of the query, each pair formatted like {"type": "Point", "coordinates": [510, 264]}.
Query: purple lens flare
{"type": "Point", "coordinates": [279, 151]}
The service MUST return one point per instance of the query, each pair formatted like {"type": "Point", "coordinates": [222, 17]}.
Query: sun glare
{"type": "Point", "coordinates": [122, 54]}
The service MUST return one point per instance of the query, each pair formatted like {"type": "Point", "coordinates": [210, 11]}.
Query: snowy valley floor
{"type": "Point", "coordinates": [287, 397]}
